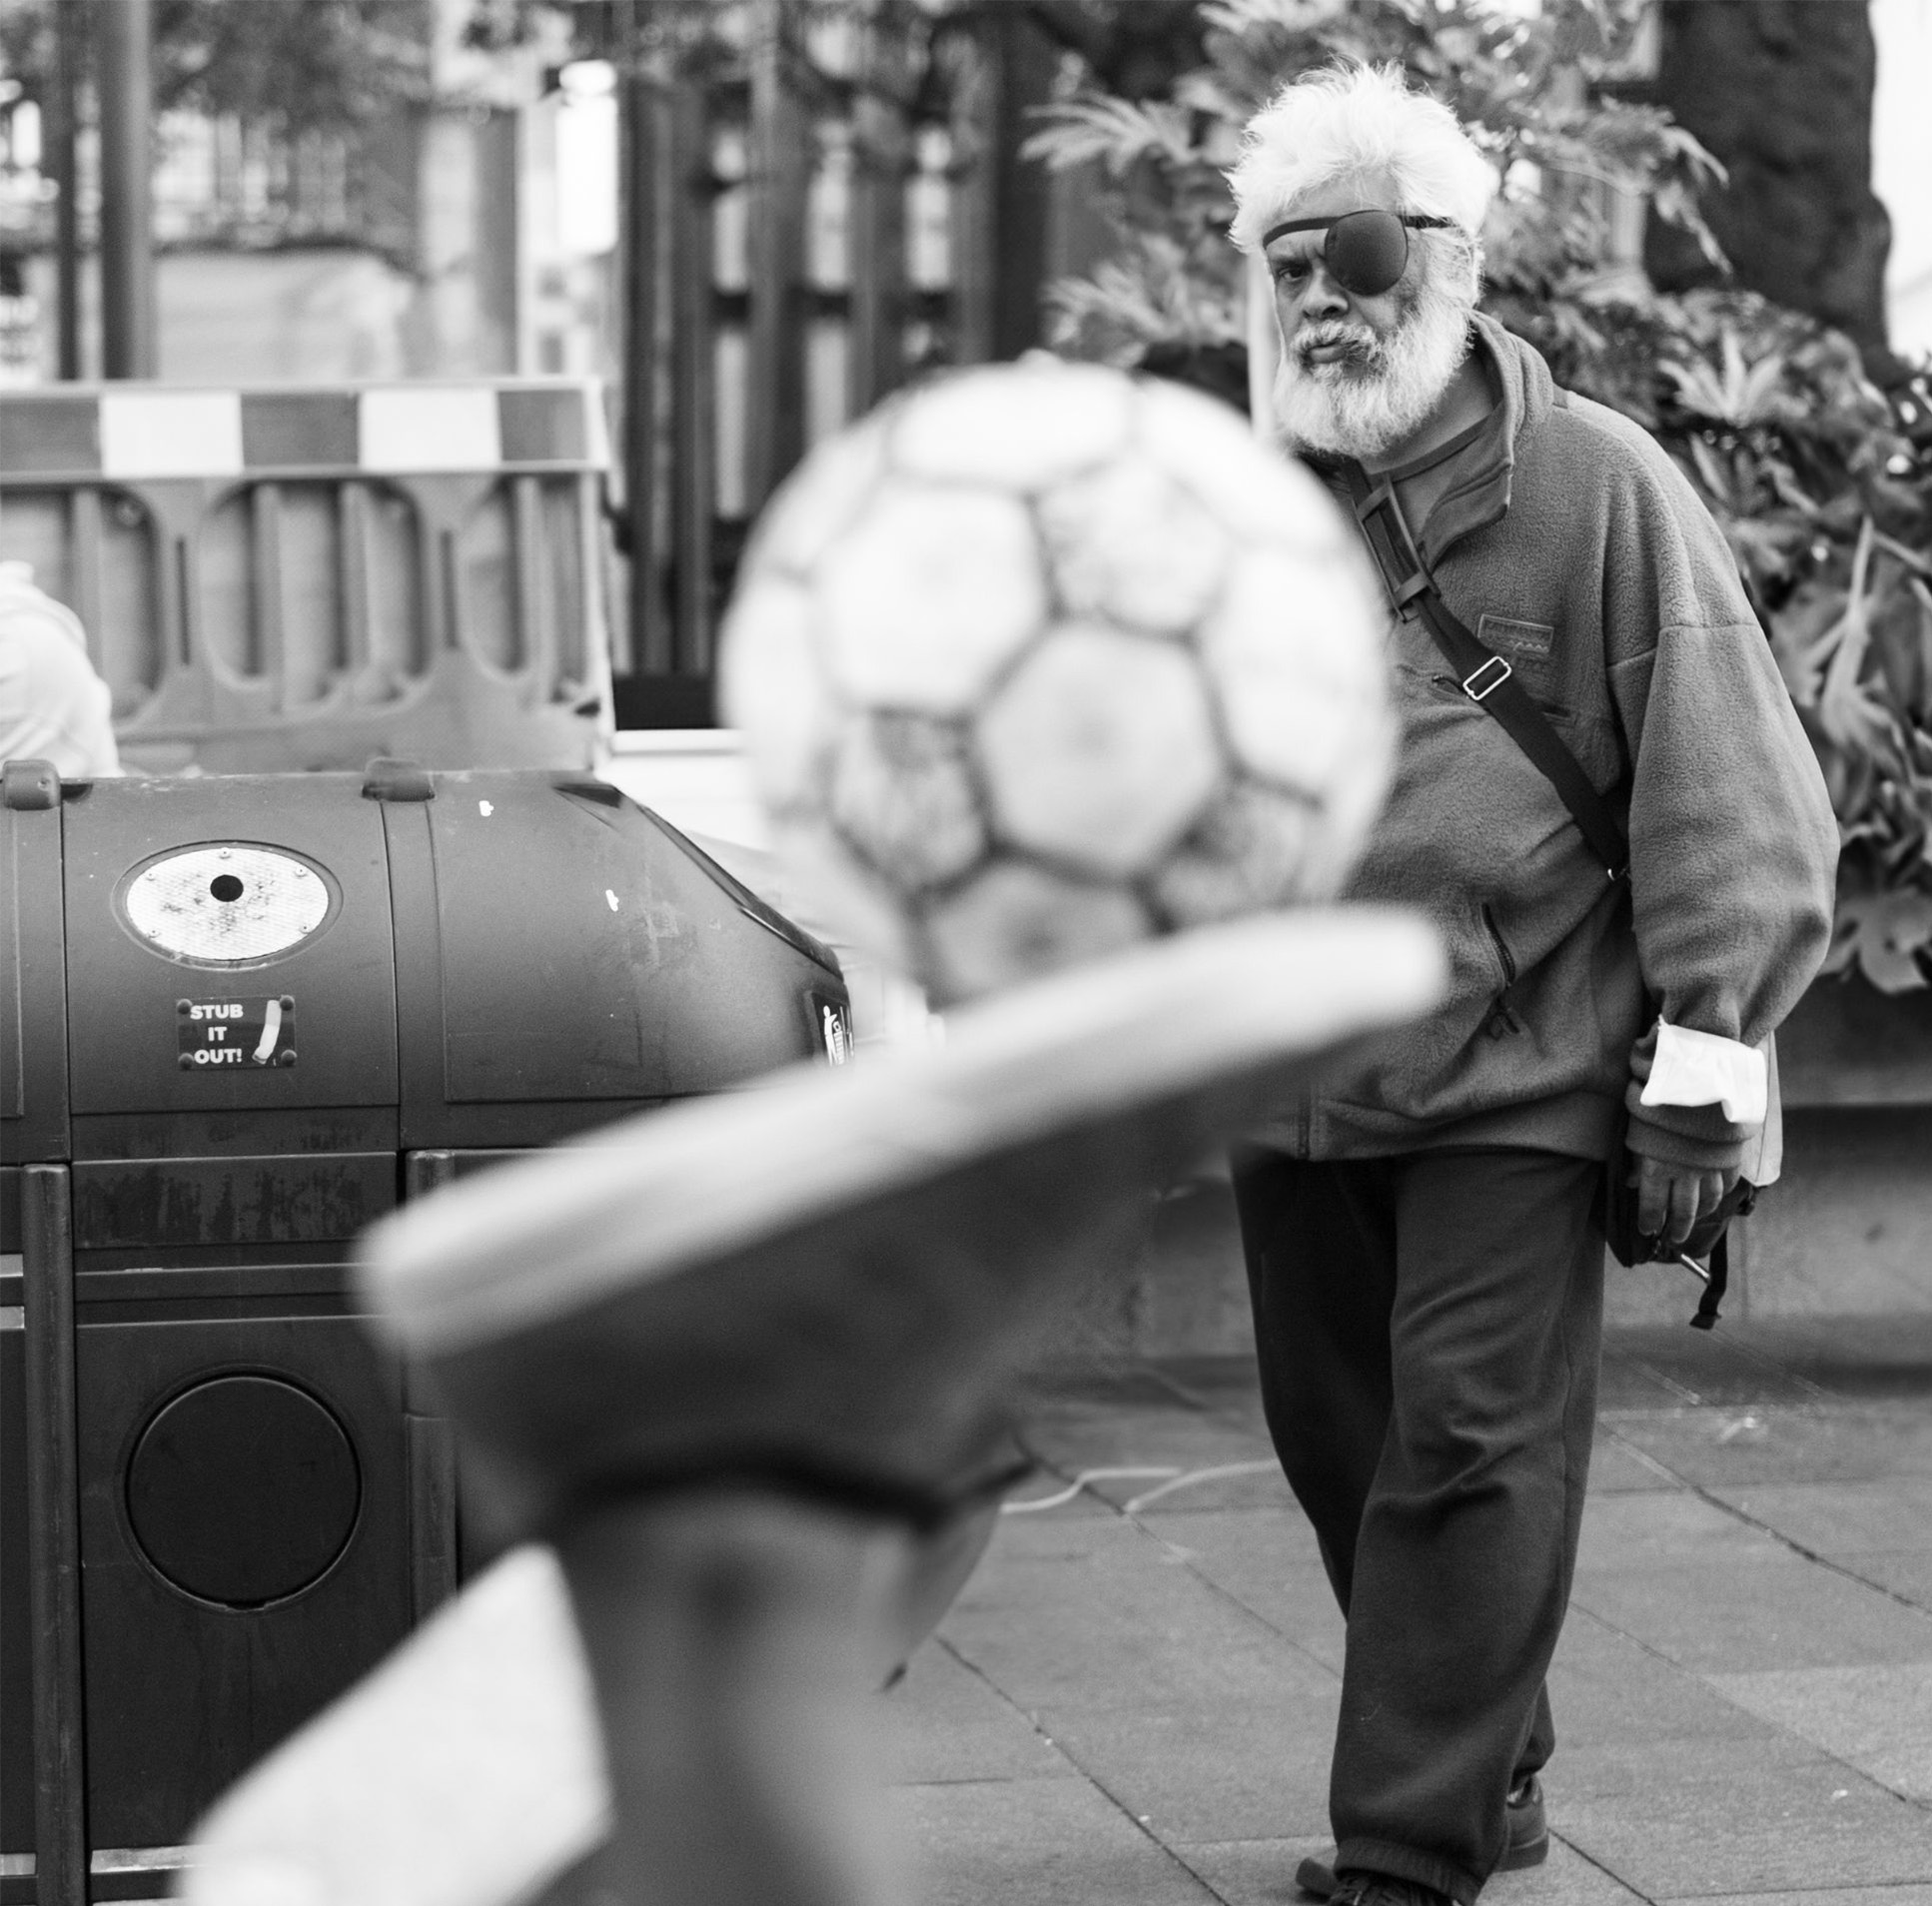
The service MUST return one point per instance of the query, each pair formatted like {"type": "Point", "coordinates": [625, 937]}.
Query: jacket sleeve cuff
{"type": "Point", "coordinates": [1693, 1136]}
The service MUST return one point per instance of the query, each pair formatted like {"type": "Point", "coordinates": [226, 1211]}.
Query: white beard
{"type": "Point", "coordinates": [1363, 405]}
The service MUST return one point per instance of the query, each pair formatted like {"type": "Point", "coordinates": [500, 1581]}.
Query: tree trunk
{"type": "Point", "coordinates": [1781, 92]}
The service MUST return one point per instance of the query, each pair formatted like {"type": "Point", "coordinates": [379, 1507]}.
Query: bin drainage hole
{"type": "Point", "coordinates": [224, 887]}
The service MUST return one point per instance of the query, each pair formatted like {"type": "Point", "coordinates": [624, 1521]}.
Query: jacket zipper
{"type": "Point", "coordinates": [1503, 1018]}
{"type": "Point", "coordinates": [1505, 957]}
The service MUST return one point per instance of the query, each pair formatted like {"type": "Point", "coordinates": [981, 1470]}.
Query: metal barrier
{"type": "Point", "coordinates": [300, 579]}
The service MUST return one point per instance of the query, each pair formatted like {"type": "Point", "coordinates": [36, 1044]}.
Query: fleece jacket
{"type": "Point", "coordinates": [1575, 548]}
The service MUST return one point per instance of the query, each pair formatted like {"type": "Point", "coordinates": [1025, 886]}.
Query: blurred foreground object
{"type": "Point", "coordinates": [300, 578]}
{"type": "Point", "coordinates": [743, 1406]}
{"type": "Point", "coordinates": [53, 706]}
{"type": "Point", "coordinates": [1040, 659]}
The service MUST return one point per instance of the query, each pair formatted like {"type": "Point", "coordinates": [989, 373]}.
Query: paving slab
{"type": "Point", "coordinates": [1877, 1719]}
{"type": "Point", "coordinates": [1847, 1356]}
{"type": "Point", "coordinates": [1833, 1518]}
{"type": "Point", "coordinates": [1606, 1689]}
{"type": "Point", "coordinates": [946, 1723]}
{"type": "Point", "coordinates": [1268, 1562]}
{"type": "Point", "coordinates": [1619, 1470]}
{"type": "Point", "coordinates": [1125, 1625]}
{"type": "Point", "coordinates": [1779, 1611]}
{"type": "Point", "coordinates": [1635, 1530]}
{"type": "Point", "coordinates": [1761, 1443]}
{"type": "Point", "coordinates": [1829, 1896]}
{"type": "Point", "coordinates": [1233, 1771]}
{"type": "Point", "coordinates": [1036, 1843]}
{"type": "Point", "coordinates": [1681, 1819]}
{"type": "Point", "coordinates": [1664, 1367]}
{"type": "Point", "coordinates": [1255, 1872]}
{"type": "Point", "coordinates": [1567, 1878]}
{"type": "Point", "coordinates": [1905, 1572]}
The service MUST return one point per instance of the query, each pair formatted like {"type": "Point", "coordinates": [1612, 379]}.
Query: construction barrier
{"type": "Point", "coordinates": [305, 577]}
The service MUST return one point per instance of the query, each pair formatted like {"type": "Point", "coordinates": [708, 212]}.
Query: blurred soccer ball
{"type": "Point", "coordinates": [1042, 660]}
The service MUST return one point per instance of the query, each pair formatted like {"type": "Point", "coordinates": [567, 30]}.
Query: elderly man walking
{"type": "Point", "coordinates": [1425, 1240]}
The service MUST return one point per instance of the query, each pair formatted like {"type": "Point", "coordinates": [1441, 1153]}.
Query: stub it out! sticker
{"type": "Point", "coordinates": [234, 1035]}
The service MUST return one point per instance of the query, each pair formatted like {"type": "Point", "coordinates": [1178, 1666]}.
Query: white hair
{"type": "Point", "coordinates": [1350, 119]}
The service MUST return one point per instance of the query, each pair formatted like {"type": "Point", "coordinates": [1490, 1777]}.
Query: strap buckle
{"type": "Point", "coordinates": [1494, 683]}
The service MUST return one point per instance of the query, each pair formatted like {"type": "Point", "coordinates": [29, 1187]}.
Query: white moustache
{"type": "Point", "coordinates": [1357, 339]}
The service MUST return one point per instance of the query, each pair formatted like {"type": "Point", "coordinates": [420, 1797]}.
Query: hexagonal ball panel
{"type": "Point", "coordinates": [1017, 921]}
{"type": "Point", "coordinates": [1296, 652]}
{"type": "Point", "coordinates": [903, 796]}
{"type": "Point", "coordinates": [773, 689]}
{"type": "Point", "coordinates": [929, 595]}
{"type": "Point", "coordinates": [1098, 749]}
{"type": "Point", "coordinates": [1247, 854]}
{"type": "Point", "coordinates": [1015, 426]}
{"type": "Point", "coordinates": [1128, 545]}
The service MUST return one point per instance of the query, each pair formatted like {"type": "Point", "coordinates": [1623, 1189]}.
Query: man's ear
{"type": "Point", "coordinates": [1263, 348]}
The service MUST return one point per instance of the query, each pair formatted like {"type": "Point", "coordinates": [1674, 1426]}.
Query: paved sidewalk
{"type": "Point", "coordinates": [1132, 1700]}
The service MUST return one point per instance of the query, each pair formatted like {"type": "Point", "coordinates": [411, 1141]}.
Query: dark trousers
{"type": "Point", "coordinates": [1429, 1328]}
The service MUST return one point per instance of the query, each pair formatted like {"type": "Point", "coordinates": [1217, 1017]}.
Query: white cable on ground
{"type": "Point", "coordinates": [1074, 1488]}
{"type": "Point", "coordinates": [1176, 1479]}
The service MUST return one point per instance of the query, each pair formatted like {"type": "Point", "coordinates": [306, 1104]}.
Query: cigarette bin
{"type": "Point", "coordinates": [240, 1017]}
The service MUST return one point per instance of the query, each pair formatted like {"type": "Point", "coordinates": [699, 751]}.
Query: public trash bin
{"type": "Point", "coordinates": [240, 1017]}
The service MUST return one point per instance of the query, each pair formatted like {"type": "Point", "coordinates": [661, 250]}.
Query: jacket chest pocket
{"type": "Point", "coordinates": [1531, 650]}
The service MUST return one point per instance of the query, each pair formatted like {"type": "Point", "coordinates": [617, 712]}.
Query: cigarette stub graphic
{"type": "Point", "coordinates": [271, 1032]}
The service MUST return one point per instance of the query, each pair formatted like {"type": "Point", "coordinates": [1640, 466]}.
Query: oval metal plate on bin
{"type": "Point", "coordinates": [243, 1491]}
{"type": "Point", "coordinates": [226, 905]}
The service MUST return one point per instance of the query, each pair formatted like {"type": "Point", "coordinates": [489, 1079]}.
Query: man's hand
{"type": "Point", "coordinates": [1673, 1199]}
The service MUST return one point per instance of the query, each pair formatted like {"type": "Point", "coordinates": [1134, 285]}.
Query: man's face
{"type": "Point", "coordinates": [1359, 372]}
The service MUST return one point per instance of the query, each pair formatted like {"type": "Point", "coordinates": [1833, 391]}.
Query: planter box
{"type": "Point", "coordinates": [1849, 1044]}
{"type": "Point", "coordinates": [1848, 1230]}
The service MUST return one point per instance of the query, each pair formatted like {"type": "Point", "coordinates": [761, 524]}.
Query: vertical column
{"type": "Point", "coordinates": [127, 189]}
{"type": "Point", "coordinates": [693, 373]}
{"type": "Point", "coordinates": [54, 1541]}
{"type": "Point", "coordinates": [780, 179]}
{"type": "Point", "coordinates": [644, 135]}
{"type": "Point", "coordinates": [63, 145]}
{"type": "Point", "coordinates": [1000, 205]}
{"type": "Point", "coordinates": [881, 164]}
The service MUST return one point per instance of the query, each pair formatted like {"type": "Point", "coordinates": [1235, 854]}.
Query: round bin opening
{"type": "Point", "coordinates": [243, 1491]}
{"type": "Point", "coordinates": [224, 887]}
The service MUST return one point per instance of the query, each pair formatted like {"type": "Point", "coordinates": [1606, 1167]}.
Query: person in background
{"type": "Point", "coordinates": [1424, 1239]}
{"type": "Point", "coordinates": [53, 706]}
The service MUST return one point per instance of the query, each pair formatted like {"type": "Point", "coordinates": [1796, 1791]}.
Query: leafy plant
{"type": "Point", "coordinates": [1822, 483]}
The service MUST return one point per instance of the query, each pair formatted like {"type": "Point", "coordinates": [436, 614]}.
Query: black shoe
{"type": "Point", "coordinates": [1527, 1845]}
{"type": "Point", "coordinates": [1384, 1889]}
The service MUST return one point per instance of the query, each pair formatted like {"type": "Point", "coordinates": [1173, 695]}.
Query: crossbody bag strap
{"type": "Point", "coordinates": [1484, 676]}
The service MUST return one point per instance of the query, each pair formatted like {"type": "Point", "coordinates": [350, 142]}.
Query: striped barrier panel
{"type": "Point", "coordinates": [301, 578]}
